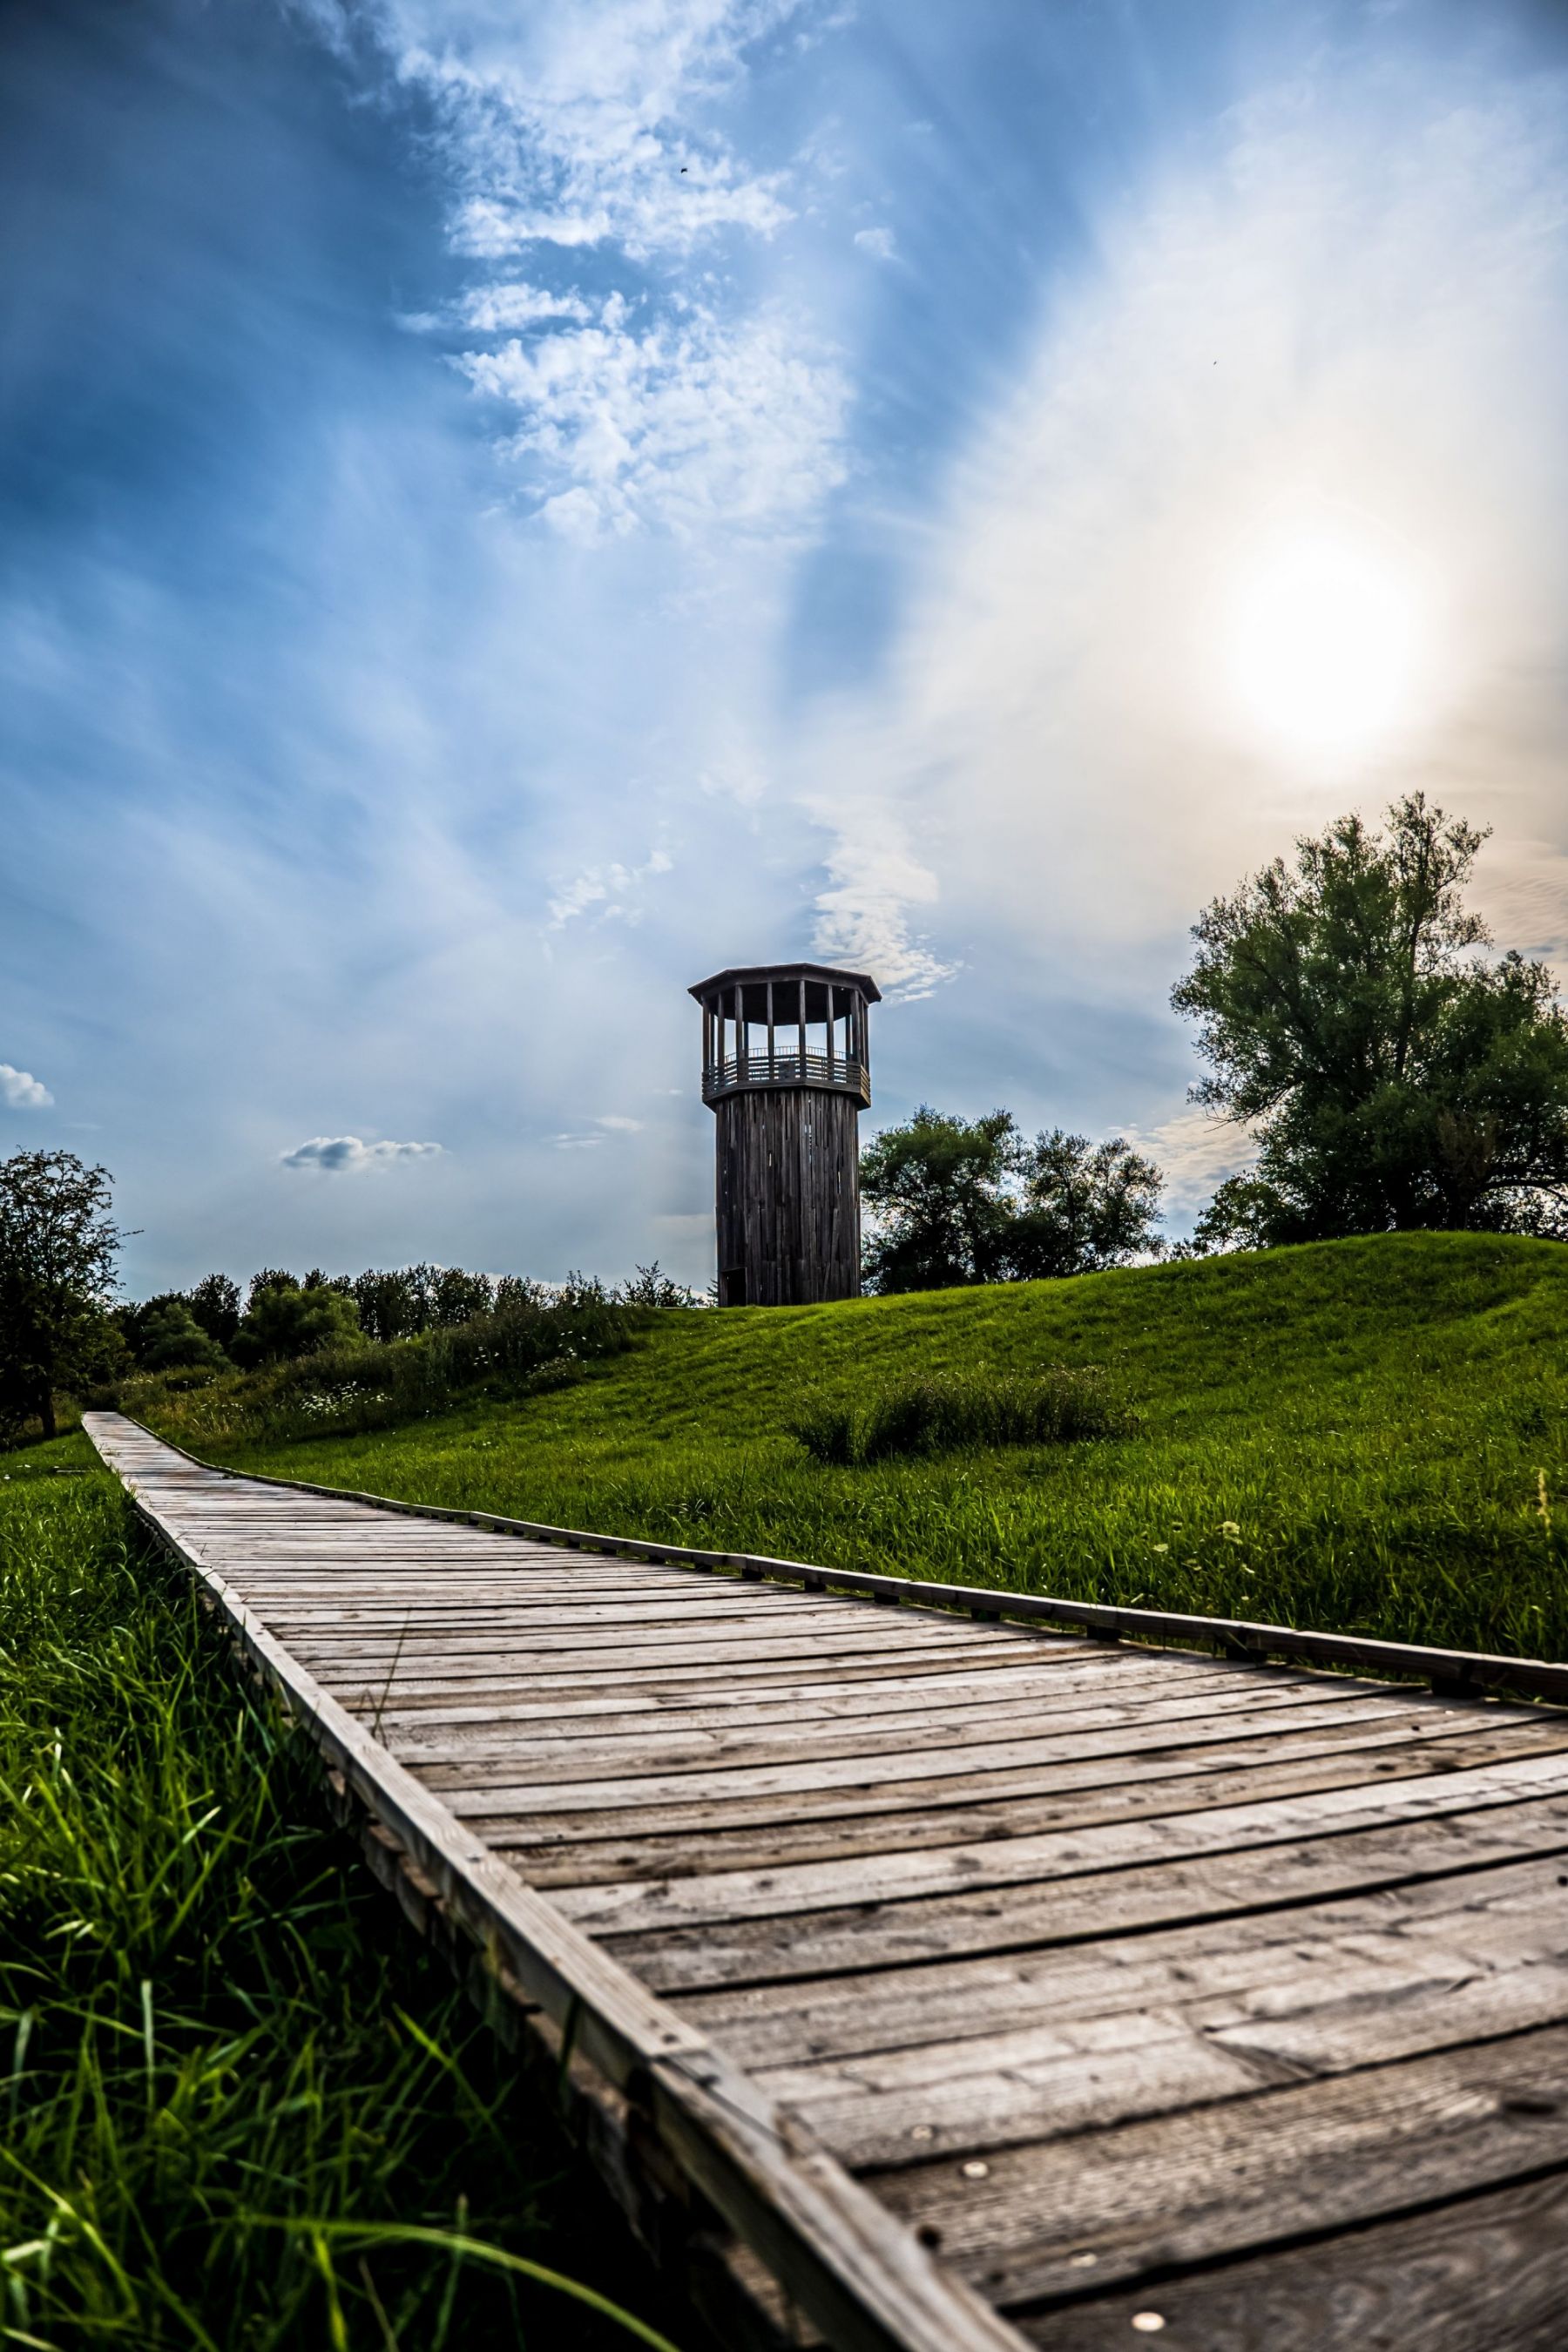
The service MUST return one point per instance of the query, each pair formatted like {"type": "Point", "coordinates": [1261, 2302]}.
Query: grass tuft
{"type": "Point", "coordinates": [949, 1415]}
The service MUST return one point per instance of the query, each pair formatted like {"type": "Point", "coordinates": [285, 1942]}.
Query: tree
{"type": "Point", "coordinates": [1394, 1077]}
{"type": "Point", "coordinates": [958, 1201]}
{"type": "Point", "coordinates": [1082, 1207]}
{"type": "Point", "coordinates": [283, 1320]}
{"type": "Point", "coordinates": [58, 1250]}
{"type": "Point", "coordinates": [215, 1303]}
{"type": "Point", "coordinates": [169, 1338]}
{"type": "Point", "coordinates": [935, 1189]}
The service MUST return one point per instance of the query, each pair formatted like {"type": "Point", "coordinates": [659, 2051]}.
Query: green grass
{"type": "Point", "coordinates": [239, 2106]}
{"type": "Point", "coordinates": [1367, 1436]}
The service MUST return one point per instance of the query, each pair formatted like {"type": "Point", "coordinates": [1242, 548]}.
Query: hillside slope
{"type": "Point", "coordinates": [1368, 1434]}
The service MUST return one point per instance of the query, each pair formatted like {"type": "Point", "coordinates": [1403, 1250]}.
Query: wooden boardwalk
{"type": "Point", "coordinates": [995, 1986]}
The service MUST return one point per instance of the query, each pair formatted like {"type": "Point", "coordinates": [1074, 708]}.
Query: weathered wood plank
{"type": "Point", "coordinates": [988, 1793]}
{"type": "Point", "coordinates": [1481, 2276]}
{"type": "Point", "coordinates": [1324, 1764]}
{"type": "Point", "coordinates": [871, 1934]}
{"type": "Point", "coordinates": [960, 1689]}
{"type": "Point", "coordinates": [898, 2007]}
{"type": "Point", "coordinates": [990, 1862]}
{"type": "Point", "coordinates": [1002, 2090]}
{"type": "Point", "coordinates": [591, 1755]}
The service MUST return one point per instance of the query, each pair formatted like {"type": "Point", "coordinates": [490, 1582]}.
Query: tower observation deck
{"type": "Point", "coordinates": [787, 1072]}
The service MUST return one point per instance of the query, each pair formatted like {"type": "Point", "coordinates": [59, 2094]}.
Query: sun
{"type": "Point", "coordinates": [1326, 639]}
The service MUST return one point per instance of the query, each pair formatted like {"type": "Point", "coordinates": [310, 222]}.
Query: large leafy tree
{"type": "Point", "coordinates": [954, 1201]}
{"type": "Point", "coordinates": [1393, 1074]}
{"type": "Point", "coordinates": [1081, 1206]}
{"type": "Point", "coordinates": [58, 1249]}
{"type": "Point", "coordinates": [935, 1192]}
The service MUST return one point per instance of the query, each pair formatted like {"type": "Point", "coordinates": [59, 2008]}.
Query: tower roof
{"type": "Point", "coordinates": [745, 974]}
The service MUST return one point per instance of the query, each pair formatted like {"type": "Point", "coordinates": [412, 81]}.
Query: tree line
{"type": "Point", "coordinates": [1388, 1073]}
{"type": "Point", "coordinates": [62, 1329]}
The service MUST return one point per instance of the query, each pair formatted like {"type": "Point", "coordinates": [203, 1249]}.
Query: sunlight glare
{"type": "Point", "coordinates": [1325, 641]}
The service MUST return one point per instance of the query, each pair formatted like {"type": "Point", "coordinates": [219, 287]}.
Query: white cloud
{"type": "Point", "coordinates": [506, 307]}
{"type": "Point", "coordinates": [566, 130]}
{"type": "Point", "coordinates": [577, 127]}
{"type": "Point", "coordinates": [335, 1154]}
{"type": "Point", "coordinates": [1196, 1152]}
{"type": "Point", "coordinates": [863, 917]}
{"type": "Point", "coordinates": [19, 1090]}
{"type": "Point", "coordinates": [618, 1124]}
{"type": "Point", "coordinates": [685, 423]}
{"type": "Point", "coordinates": [616, 890]}
{"type": "Point", "coordinates": [878, 242]}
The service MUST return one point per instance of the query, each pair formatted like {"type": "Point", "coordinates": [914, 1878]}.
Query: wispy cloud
{"type": "Point", "coordinates": [682, 420]}
{"type": "Point", "coordinates": [612, 892]}
{"type": "Point", "coordinates": [346, 1154]}
{"type": "Point", "coordinates": [580, 127]}
{"type": "Point", "coordinates": [1195, 1151]}
{"type": "Point", "coordinates": [868, 913]}
{"type": "Point", "coordinates": [592, 133]}
{"type": "Point", "coordinates": [879, 243]}
{"type": "Point", "coordinates": [504, 307]}
{"type": "Point", "coordinates": [19, 1090]}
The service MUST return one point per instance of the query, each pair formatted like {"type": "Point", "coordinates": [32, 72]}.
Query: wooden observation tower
{"type": "Point", "coordinates": [786, 1073]}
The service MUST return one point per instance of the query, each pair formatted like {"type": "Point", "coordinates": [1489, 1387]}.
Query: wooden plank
{"type": "Point", "coordinates": [622, 1657]}
{"type": "Point", "coordinates": [961, 1692]}
{"type": "Point", "coordinates": [478, 1792]}
{"type": "Point", "coordinates": [999, 2090]}
{"type": "Point", "coordinates": [564, 1682]}
{"type": "Point", "coordinates": [896, 2008]}
{"type": "Point", "coordinates": [954, 1688]}
{"type": "Point", "coordinates": [588, 1860]}
{"type": "Point", "coordinates": [724, 1896]}
{"type": "Point", "coordinates": [593, 1753]}
{"type": "Point", "coordinates": [987, 1793]}
{"type": "Point", "coordinates": [1285, 2164]}
{"type": "Point", "coordinates": [466, 1625]}
{"type": "Point", "coordinates": [871, 1934]}
{"type": "Point", "coordinates": [1485, 2275]}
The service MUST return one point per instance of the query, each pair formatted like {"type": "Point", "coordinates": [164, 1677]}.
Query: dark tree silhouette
{"type": "Point", "coordinates": [58, 1249]}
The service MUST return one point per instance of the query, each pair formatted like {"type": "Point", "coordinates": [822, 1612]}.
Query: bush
{"type": "Point", "coordinates": [172, 1338]}
{"type": "Point", "coordinates": [283, 1321]}
{"type": "Point", "coordinates": [943, 1416]}
{"type": "Point", "coordinates": [530, 1343]}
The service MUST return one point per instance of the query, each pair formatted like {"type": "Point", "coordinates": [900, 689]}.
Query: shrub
{"type": "Point", "coordinates": [530, 1343]}
{"type": "Point", "coordinates": [943, 1416]}
{"type": "Point", "coordinates": [172, 1338]}
{"type": "Point", "coordinates": [283, 1321]}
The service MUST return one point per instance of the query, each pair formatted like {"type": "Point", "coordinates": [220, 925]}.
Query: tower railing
{"type": "Point", "coordinates": [734, 1073]}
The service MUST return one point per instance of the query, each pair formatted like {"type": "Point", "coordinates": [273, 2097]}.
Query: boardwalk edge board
{"type": "Point", "coordinates": [1452, 1673]}
{"type": "Point", "coordinates": [861, 2276]}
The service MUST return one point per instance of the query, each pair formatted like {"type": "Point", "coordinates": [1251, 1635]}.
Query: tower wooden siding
{"type": "Point", "coordinates": [787, 1140]}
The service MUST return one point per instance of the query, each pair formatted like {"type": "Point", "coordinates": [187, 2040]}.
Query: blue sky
{"type": "Point", "coordinates": [506, 508]}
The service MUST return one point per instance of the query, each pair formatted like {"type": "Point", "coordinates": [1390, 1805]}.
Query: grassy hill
{"type": "Point", "coordinates": [1368, 1434]}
